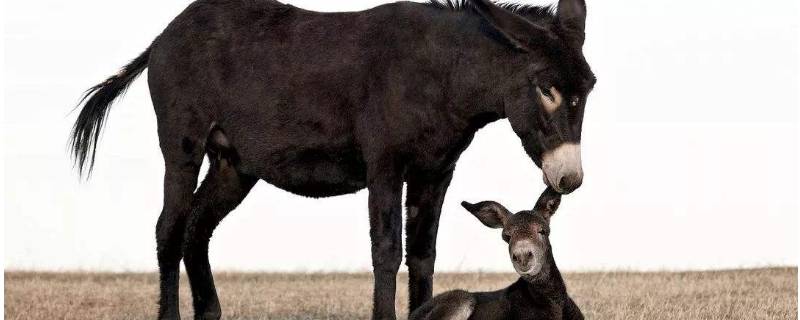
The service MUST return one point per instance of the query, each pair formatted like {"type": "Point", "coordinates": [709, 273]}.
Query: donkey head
{"type": "Point", "coordinates": [526, 232]}
{"type": "Point", "coordinates": [553, 81]}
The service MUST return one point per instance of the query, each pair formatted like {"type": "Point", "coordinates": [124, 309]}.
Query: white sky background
{"type": "Point", "coordinates": [690, 149]}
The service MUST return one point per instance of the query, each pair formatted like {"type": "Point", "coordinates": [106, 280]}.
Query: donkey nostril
{"type": "Point", "coordinates": [528, 255]}
{"type": "Point", "coordinates": [563, 182]}
{"type": "Point", "coordinates": [569, 182]}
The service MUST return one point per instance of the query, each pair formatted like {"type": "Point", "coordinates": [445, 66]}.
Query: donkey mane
{"type": "Point", "coordinates": [530, 11]}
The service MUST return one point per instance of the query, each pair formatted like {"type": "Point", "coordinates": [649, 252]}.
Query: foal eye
{"type": "Point", "coordinates": [575, 101]}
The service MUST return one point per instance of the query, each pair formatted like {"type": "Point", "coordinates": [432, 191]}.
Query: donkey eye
{"type": "Point", "coordinates": [547, 94]}
{"type": "Point", "coordinates": [575, 101]}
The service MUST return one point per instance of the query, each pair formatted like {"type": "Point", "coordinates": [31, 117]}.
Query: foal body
{"type": "Point", "coordinates": [539, 293]}
{"type": "Point", "coordinates": [524, 299]}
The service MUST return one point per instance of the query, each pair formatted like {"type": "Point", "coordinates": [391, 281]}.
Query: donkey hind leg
{"type": "Point", "coordinates": [182, 166]}
{"type": "Point", "coordinates": [179, 182]}
{"type": "Point", "coordinates": [453, 305]}
{"type": "Point", "coordinates": [221, 191]}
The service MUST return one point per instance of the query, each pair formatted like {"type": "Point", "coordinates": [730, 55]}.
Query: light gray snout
{"type": "Point", "coordinates": [526, 257]}
{"type": "Point", "coordinates": [562, 168]}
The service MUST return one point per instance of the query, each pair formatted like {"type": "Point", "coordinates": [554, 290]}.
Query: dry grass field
{"type": "Point", "coordinates": [739, 294]}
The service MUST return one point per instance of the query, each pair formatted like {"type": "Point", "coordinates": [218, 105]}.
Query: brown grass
{"type": "Point", "coordinates": [739, 294]}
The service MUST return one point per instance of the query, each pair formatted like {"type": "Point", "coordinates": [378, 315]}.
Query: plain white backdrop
{"type": "Point", "coordinates": [690, 149]}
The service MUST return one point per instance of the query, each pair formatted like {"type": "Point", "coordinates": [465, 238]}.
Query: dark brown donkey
{"type": "Point", "coordinates": [539, 293]}
{"type": "Point", "coordinates": [325, 104]}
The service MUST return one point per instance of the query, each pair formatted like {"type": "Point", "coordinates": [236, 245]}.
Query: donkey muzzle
{"type": "Point", "coordinates": [526, 257]}
{"type": "Point", "coordinates": [562, 168]}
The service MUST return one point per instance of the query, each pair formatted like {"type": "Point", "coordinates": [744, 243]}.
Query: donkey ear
{"type": "Point", "coordinates": [548, 203]}
{"type": "Point", "coordinates": [518, 30]}
{"type": "Point", "coordinates": [571, 17]}
{"type": "Point", "coordinates": [490, 213]}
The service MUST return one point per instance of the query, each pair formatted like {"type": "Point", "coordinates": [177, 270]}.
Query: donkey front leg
{"type": "Point", "coordinates": [424, 205]}
{"type": "Point", "coordinates": [222, 190]}
{"type": "Point", "coordinates": [385, 220]}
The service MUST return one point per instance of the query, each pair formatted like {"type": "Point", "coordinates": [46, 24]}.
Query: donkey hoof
{"type": "Point", "coordinates": [211, 314]}
{"type": "Point", "coordinates": [169, 315]}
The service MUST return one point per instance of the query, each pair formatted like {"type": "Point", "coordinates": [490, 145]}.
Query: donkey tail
{"type": "Point", "coordinates": [96, 101]}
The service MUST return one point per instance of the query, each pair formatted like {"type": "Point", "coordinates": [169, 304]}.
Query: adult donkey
{"type": "Point", "coordinates": [324, 104]}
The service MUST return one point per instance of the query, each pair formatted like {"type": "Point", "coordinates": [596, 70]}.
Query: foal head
{"type": "Point", "coordinates": [550, 84]}
{"type": "Point", "coordinates": [526, 232]}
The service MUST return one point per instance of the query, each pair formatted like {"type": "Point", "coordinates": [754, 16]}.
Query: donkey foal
{"type": "Point", "coordinates": [539, 293]}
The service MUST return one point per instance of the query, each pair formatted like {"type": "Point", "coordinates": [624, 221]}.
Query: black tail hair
{"type": "Point", "coordinates": [86, 132]}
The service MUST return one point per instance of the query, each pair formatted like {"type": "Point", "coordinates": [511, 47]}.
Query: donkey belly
{"type": "Point", "coordinates": [315, 173]}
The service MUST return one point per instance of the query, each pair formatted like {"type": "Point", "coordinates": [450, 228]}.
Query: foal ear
{"type": "Point", "coordinates": [518, 30]}
{"type": "Point", "coordinates": [490, 213]}
{"type": "Point", "coordinates": [548, 203]}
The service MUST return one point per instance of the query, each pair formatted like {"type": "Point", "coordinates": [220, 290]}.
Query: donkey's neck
{"type": "Point", "coordinates": [482, 68]}
{"type": "Point", "coordinates": [481, 84]}
{"type": "Point", "coordinates": [548, 284]}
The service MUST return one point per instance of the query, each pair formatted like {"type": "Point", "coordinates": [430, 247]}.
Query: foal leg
{"type": "Point", "coordinates": [385, 229]}
{"type": "Point", "coordinates": [423, 205]}
{"type": "Point", "coordinates": [221, 191]}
